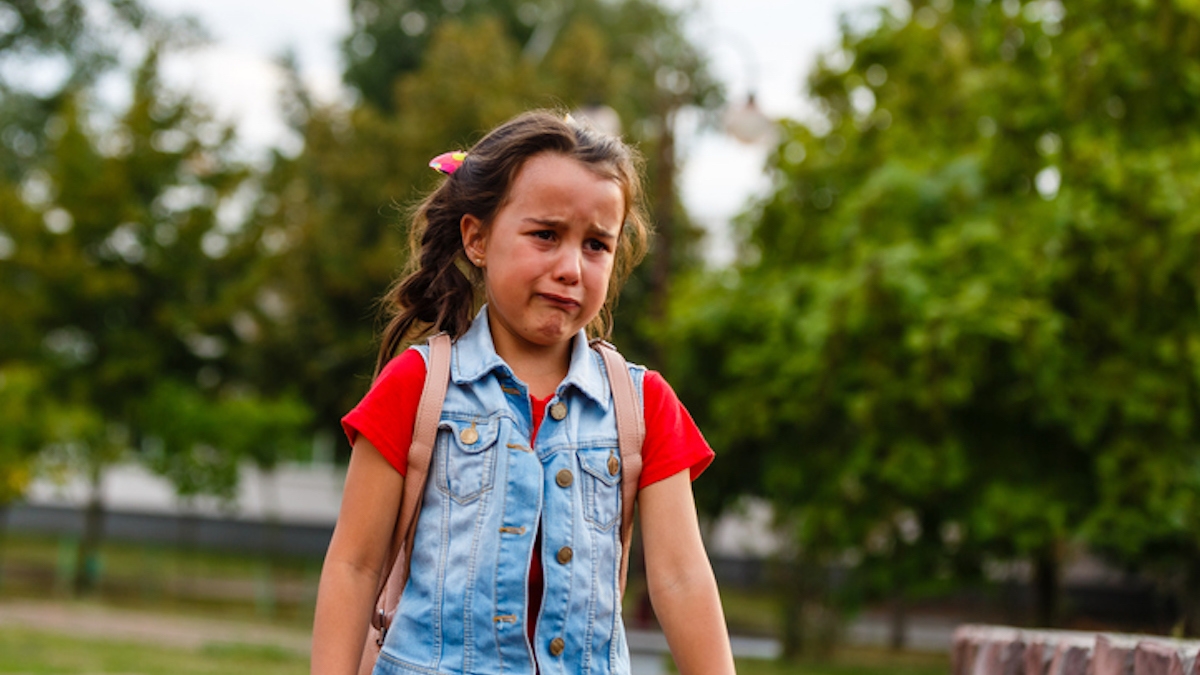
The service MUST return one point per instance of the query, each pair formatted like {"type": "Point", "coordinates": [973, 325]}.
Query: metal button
{"type": "Point", "coordinates": [558, 411]}
{"type": "Point", "coordinates": [564, 478]}
{"type": "Point", "coordinates": [469, 436]}
{"type": "Point", "coordinates": [557, 645]}
{"type": "Point", "coordinates": [565, 554]}
{"type": "Point", "coordinates": [614, 465]}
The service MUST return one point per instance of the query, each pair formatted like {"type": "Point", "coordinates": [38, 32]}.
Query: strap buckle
{"type": "Point", "coordinates": [381, 617]}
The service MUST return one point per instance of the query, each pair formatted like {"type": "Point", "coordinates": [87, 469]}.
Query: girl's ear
{"type": "Point", "coordinates": [474, 239]}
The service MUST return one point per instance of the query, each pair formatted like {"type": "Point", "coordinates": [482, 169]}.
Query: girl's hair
{"type": "Point", "coordinates": [441, 290]}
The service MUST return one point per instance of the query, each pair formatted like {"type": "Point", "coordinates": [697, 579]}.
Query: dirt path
{"type": "Point", "coordinates": [99, 621]}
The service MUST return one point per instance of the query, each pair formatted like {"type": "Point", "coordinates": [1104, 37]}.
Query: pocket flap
{"type": "Point", "coordinates": [595, 463]}
{"type": "Point", "coordinates": [472, 436]}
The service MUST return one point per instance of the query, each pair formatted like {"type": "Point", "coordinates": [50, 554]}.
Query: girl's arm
{"type": "Point", "coordinates": [350, 575]}
{"type": "Point", "coordinates": [680, 578]}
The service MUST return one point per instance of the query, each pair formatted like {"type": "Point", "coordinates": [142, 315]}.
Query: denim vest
{"type": "Point", "coordinates": [464, 609]}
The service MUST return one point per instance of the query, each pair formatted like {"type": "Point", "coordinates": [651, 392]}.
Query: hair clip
{"type": "Point", "coordinates": [448, 162]}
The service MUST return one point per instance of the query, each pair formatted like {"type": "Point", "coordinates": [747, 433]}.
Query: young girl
{"type": "Point", "coordinates": [515, 564]}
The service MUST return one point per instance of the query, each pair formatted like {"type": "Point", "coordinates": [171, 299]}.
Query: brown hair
{"type": "Point", "coordinates": [441, 290]}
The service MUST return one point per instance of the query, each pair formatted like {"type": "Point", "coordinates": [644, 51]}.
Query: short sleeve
{"type": "Point", "coordinates": [385, 416]}
{"type": "Point", "coordinates": [673, 441]}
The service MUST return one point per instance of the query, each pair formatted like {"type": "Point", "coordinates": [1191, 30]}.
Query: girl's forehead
{"type": "Point", "coordinates": [555, 177]}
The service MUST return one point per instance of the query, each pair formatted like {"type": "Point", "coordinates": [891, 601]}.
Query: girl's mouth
{"type": "Point", "coordinates": [560, 301]}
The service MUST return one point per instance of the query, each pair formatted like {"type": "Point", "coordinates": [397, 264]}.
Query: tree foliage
{"type": "Point", "coordinates": [23, 429]}
{"type": "Point", "coordinates": [970, 303]}
{"type": "Point", "coordinates": [201, 445]}
{"type": "Point", "coordinates": [128, 269]}
{"type": "Point", "coordinates": [49, 50]}
{"type": "Point", "coordinates": [606, 52]}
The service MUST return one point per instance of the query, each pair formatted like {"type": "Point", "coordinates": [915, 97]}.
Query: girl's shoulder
{"type": "Point", "coordinates": [405, 367]}
{"type": "Point", "coordinates": [673, 441]}
{"type": "Point", "coordinates": [658, 393]}
{"type": "Point", "coordinates": [385, 416]}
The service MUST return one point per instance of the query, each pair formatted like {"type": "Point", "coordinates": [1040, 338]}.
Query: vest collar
{"type": "Point", "coordinates": [475, 357]}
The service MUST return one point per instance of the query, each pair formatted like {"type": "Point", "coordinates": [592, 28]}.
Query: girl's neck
{"type": "Point", "coordinates": [541, 367]}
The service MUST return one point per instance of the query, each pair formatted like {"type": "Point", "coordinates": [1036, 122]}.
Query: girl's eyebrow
{"type": "Point", "coordinates": [594, 229]}
{"type": "Point", "coordinates": [602, 232]}
{"type": "Point", "coordinates": [546, 222]}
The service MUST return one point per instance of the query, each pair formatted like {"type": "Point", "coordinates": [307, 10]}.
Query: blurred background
{"type": "Point", "coordinates": [925, 272]}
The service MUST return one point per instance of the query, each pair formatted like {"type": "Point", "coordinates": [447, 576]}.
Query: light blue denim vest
{"type": "Point", "coordinates": [464, 609]}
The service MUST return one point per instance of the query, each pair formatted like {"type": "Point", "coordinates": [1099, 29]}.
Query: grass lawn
{"type": "Point", "coordinates": [163, 578]}
{"type": "Point", "coordinates": [186, 582]}
{"type": "Point", "coordinates": [750, 612]}
{"type": "Point", "coordinates": [33, 652]}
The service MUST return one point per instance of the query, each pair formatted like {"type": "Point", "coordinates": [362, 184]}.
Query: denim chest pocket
{"type": "Point", "coordinates": [466, 457]}
{"type": "Point", "coordinates": [601, 479]}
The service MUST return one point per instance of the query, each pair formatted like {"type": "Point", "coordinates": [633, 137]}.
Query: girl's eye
{"type": "Point", "coordinates": [543, 234]}
{"type": "Point", "coordinates": [596, 245]}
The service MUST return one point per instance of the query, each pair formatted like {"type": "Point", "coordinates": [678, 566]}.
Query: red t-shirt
{"type": "Point", "coordinates": [387, 413]}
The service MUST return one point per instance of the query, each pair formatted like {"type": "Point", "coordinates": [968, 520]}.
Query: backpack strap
{"type": "Point", "coordinates": [420, 454]}
{"type": "Point", "coordinates": [631, 433]}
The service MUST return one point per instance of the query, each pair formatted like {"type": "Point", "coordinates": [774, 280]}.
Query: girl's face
{"type": "Point", "coordinates": [548, 254]}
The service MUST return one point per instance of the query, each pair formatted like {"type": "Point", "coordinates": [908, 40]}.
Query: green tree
{"type": "Point", "coordinates": [22, 433]}
{"type": "Point", "coordinates": [50, 49]}
{"type": "Point", "coordinates": [200, 443]}
{"type": "Point", "coordinates": [133, 267]}
{"type": "Point", "coordinates": [82, 443]}
{"type": "Point", "coordinates": [972, 300]}
{"type": "Point", "coordinates": [389, 40]}
{"type": "Point", "coordinates": [22, 429]}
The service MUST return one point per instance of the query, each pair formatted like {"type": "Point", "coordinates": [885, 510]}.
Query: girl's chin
{"type": "Point", "coordinates": [547, 328]}
{"type": "Point", "coordinates": [548, 336]}
{"type": "Point", "coordinates": [554, 330]}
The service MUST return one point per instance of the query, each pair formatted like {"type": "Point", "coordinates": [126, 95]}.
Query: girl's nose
{"type": "Point", "coordinates": [569, 266]}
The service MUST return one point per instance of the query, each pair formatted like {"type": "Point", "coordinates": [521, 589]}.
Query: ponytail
{"type": "Point", "coordinates": [435, 295]}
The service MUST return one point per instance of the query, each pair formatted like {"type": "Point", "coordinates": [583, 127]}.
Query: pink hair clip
{"type": "Point", "coordinates": [448, 162]}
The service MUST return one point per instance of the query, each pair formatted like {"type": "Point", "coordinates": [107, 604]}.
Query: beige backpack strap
{"type": "Point", "coordinates": [631, 432]}
{"type": "Point", "coordinates": [420, 454]}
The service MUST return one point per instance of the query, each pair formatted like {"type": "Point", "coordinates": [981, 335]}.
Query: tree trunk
{"type": "Point", "coordinates": [1046, 587]}
{"type": "Point", "coordinates": [898, 639]}
{"type": "Point", "coordinates": [187, 540]}
{"type": "Point", "coordinates": [4, 509]}
{"type": "Point", "coordinates": [793, 627]}
{"type": "Point", "coordinates": [795, 632]}
{"type": "Point", "coordinates": [1190, 609]}
{"type": "Point", "coordinates": [664, 217]}
{"type": "Point", "coordinates": [87, 561]}
{"type": "Point", "coordinates": [267, 599]}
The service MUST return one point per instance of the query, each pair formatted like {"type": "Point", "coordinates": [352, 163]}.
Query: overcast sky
{"type": "Point", "coordinates": [764, 45]}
